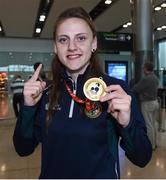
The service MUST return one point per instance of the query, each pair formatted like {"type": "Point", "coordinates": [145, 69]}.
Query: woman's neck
{"type": "Point", "coordinates": [74, 74]}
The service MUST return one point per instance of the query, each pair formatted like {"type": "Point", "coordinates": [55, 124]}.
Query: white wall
{"type": "Point", "coordinates": [25, 45]}
{"type": "Point", "coordinates": [41, 51]}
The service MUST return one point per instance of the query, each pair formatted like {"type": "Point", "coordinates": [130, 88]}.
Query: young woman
{"type": "Point", "coordinates": [83, 115]}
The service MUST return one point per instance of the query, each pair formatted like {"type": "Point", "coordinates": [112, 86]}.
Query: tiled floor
{"type": "Point", "coordinates": [13, 166]}
{"type": "Point", "coordinates": [155, 169]}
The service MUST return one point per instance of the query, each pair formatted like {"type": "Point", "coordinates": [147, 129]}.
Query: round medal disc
{"type": "Point", "coordinates": [94, 88]}
{"type": "Point", "coordinates": [95, 111]}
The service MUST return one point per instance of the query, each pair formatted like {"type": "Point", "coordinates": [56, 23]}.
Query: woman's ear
{"type": "Point", "coordinates": [94, 44]}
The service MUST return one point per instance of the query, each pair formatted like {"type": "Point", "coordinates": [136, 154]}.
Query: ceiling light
{"type": "Point", "coordinates": [42, 18]}
{"type": "Point", "coordinates": [163, 27]}
{"type": "Point", "coordinates": [43, 11]}
{"type": "Point", "coordinates": [129, 24]}
{"type": "Point", "coordinates": [0, 28]}
{"type": "Point", "coordinates": [157, 8]}
{"type": "Point", "coordinates": [108, 2]}
{"type": "Point", "coordinates": [125, 26]}
{"type": "Point", "coordinates": [159, 29]}
{"type": "Point", "coordinates": [163, 5]}
{"type": "Point", "coordinates": [38, 30]}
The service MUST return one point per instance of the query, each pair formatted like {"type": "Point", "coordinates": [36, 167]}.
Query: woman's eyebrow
{"type": "Point", "coordinates": [82, 33]}
{"type": "Point", "coordinates": [62, 35]}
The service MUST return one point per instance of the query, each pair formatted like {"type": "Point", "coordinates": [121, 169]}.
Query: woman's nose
{"type": "Point", "coordinates": [72, 45]}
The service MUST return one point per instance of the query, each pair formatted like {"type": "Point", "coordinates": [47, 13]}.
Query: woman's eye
{"type": "Point", "coordinates": [62, 40]}
{"type": "Point", "coordinates": [81, 38]}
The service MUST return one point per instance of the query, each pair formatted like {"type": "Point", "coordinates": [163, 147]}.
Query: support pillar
{"type": "Point", "coordinates": [142, 18]}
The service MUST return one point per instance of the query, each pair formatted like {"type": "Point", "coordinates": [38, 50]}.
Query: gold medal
{"type": "Point", "coordinates": [92, 109]}
{"type": "Point", "coordinates": [94, 88]}
{"type": "Point", "coordinates": [95, 110]}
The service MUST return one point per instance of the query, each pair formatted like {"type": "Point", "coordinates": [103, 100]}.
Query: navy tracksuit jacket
{"type": "Point", "coordinates": [77, 146]}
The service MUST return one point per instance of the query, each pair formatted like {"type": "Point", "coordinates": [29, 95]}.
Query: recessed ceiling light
{"type": "Point", "coordinates": [163, 5]}
{"type": "Point", "coordinates": [108, 2]}
{"type": "Point", "coordinates": [163, 27]}
{"type": "Point", "coordinates": [125, 25]}
{"type": "Point", "coordinates": [159, 29]}
{"type": "Point", "coordinates": [38, 30]}
{"type": "Point", "coordinates": [42, 18]}
{"type": "Point", "coordinates": [43, 11]}
{"type": "Point", "coordinates": [129, 23]}
{"type": "Point", "coordinates": [157, 8]}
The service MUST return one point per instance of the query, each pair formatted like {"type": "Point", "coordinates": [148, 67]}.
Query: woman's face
{"type": "Point", "coordinates": [74, 43]}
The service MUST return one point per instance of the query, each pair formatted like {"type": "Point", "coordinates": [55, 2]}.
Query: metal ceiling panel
{"type": "Point", "coordinates": [18, 17]}
{"type": "Point", "coordinates": [61, 5]}
{"type": "Point", "coordinates": [114, 16]}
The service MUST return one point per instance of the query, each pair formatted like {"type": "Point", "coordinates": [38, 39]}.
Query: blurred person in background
{"type": "Point", "coordinates": [17, 86]}
{"type": "Point", "coordinates": [147, 89]}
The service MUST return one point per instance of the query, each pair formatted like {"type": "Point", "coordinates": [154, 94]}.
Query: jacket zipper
{"type": "Point", "coordinates": [72, 101]}
{"type": "Point", "coordinates": [116, 171]}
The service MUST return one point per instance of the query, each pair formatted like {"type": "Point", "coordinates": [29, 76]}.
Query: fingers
{"type": "Point", "coordinates": [33, 88]}
{"type": "Point", "coordinates": [35, 76]}
{"type": "Point", "coordinates": [117, 99]}
{"type": "Point", "coordinates": [113, 91]}
{"type": "Point", "coordinates": [119, 105]}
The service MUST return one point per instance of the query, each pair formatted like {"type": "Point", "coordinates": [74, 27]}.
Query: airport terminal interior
{"type": "Point", "coordinates": [26, 28]}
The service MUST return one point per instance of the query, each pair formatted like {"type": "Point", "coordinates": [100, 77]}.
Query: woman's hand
{"type": "Point", "coordinates": [119, 104]}
{"type": "Point", "coordinates": [33, 88]}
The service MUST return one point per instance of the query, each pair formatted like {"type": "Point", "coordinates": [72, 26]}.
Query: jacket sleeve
{"type": "Point", "coordinates": [26, 134]}
{"type": "Point", "coordinates": [135, 141]}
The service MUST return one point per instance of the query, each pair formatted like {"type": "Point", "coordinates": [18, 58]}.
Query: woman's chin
{"type": "Point", "coordinates": [73, 69]}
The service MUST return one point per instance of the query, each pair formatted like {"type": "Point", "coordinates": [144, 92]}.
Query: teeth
{"type": "Point", "coordinates": [73, 56]}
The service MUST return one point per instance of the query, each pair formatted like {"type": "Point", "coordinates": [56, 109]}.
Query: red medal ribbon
{"type": "Point", "coordinates": [88, 105]}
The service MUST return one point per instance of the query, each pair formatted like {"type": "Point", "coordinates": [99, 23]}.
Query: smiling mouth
{"type": "Point", "coordinates": [73, 56]}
